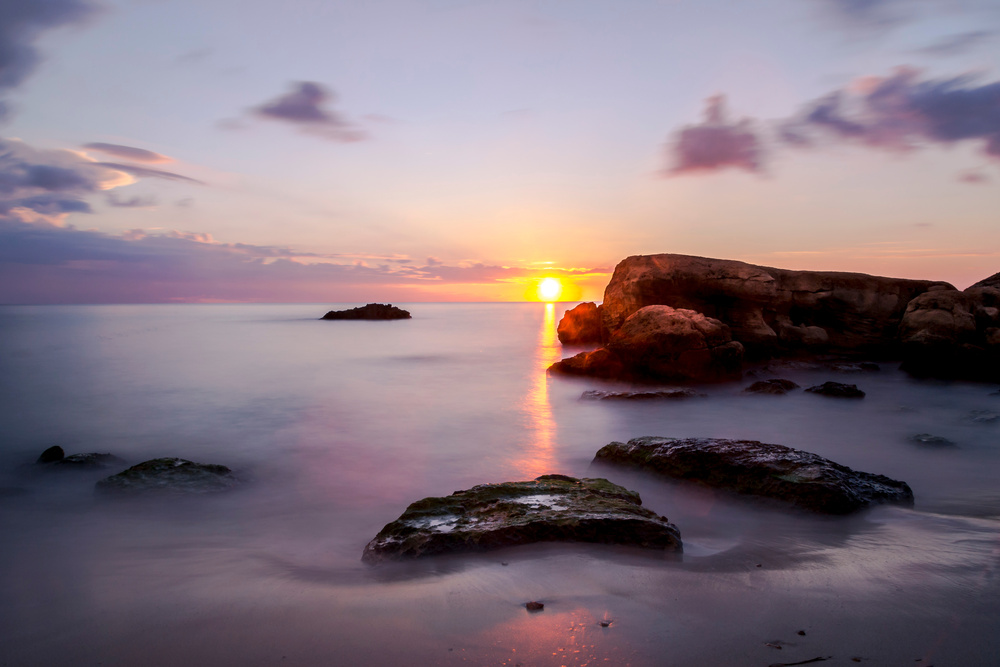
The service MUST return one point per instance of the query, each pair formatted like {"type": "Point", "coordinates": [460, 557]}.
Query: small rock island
{"type": "Point", "coordinates": [371, 311]}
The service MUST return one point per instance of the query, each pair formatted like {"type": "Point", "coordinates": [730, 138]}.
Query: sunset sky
{"type": "Point", "coordinates": [460, 150]}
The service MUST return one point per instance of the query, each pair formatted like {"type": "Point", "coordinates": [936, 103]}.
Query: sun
{"type": "Point", "coordinates": [549, 289]}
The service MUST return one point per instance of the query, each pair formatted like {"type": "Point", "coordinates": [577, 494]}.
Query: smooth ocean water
{"type": "Point", "coordinates": [337, 426]}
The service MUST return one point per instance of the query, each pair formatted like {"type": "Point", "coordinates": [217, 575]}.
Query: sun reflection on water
{"type": "Point", "coordinates": [539, 450]}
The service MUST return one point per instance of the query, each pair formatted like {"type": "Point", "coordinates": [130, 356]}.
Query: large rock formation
{"type": "Point", "coordinates": [552, 508]}
{"type": "Point", "coordinates": [774, 312]}
{"type": "Point", "coordinates": [748, 467]}
{"type": "Point", "coordinates": [769, 310]}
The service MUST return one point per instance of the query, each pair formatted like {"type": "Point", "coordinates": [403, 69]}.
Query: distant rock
{"type": "Point", "coordinates": [51, 455]}
{"type": "Point", "coordinates": [580, 325]}
{"type": "Point", "coordinates": [171, 475]}
{"type": "Point", "coordinates": [552, 508]}
{"type": "Point", "coordinates": [797, 478]}
{"type": "Point", "coordinates": [675, 344]}
{"type": "Point", "coordinates": [931, 440]}
{"type": "Point", "coordinates": [372, 311]}
{"type": "Point", "coordinates": [983, 416]}
{"type": "Point", "coordinates": [657, 395]}
{"type": "Point", "coordinates": [837, 390]}
{"type": "Point", "coordinates": [774, 386]}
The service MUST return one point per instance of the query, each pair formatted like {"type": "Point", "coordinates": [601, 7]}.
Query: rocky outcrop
{"type": "Point", "coordinates": [769, 310]}
{"type": "Point", "coordinates": [51, 455]}
{"type": "Point", "coordinates": [675, 344]}
{"type": "Point", "coordinates": [947, 333]}
{"type": "Point", "coordinates": [580, 325]}
{"type": "Point", "coordinates": [552, 508]}
{"type": "Point", "coordinates": [600, 363]}
{"type": "Point", "coordinates": [932, 327]}
{"type": "Point", "coordinates": [170, 475]}
{"type": "Point", "coordinates": [775, 386]}
{"type": "Point", "coordinates": [372, 311]}
{"type": "Point", "coordinates": [791, 476]}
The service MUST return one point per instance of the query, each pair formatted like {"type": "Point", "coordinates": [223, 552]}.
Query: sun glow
{"type": "Point", "coordinates": [549, 289]}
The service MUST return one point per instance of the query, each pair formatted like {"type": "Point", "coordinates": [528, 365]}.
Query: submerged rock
{"type": "Point", "coordinates": [372, 311]}
{"type": "Point", "coordinates": [774, 386]}
{"type": "Point", "coordinates": [931, 440]}
{"type": "Point", "coordinates": [55, 457]}
{"type": "Point", "coordinates": [800, 479]}
{"type": "Point", "coordinates": [551, 508]}
{"type": "Point", "coordinates": [662, 394]}
{"type": "Point", "coordinates": [171, 475]}
{"type": "Point", "coordinates": [837, 390]}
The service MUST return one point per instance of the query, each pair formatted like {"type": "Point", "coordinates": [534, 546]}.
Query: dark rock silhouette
{"type": "Point", "coordinates": [652, 395]}
{"type": "Point", "coordinates": [774, 386]}
{"type": "Point", "coordinates": [171, 475]}
{"type": "Point", "coordinates": [837, 390]}
{"type": "Point", "coordinates": [55, 457]}
{"type": "Point", "coordinates": [372, 311]}
{"type": "Point", "coordinates": [794, 477]}
{"type": "Point", "coordinates": [51, 455]}
{"type": "Point", "coordinates": [552, 508]}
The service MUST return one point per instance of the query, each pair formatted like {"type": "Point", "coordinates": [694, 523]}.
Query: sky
{"type": "Point", "coordinates": [324, 151]}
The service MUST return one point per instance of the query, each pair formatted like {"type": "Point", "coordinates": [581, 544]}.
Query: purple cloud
{"type": "Point", "coordinates": [901, 112]}
{"type": "Point", "coordinates": [128, 152]}
{"type": "Point", "coordinates": [138, 201]}
{"type": "Point", "coordinates": [304, 107]}
{"type": "Point", "coordinates": [136, 170]}
{"type": "Point", "coordinates": [715, 144]}
{"type": "Point", "coordinates": [21, 24]}
{"type": "Point", "coordinates": [957, 44]}
{"type": "Point", "coordinates": [973, 178]}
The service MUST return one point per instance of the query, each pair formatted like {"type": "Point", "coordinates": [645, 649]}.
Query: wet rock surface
{"type": "Point", "coordinates": [774, 386]}
{"type": "Point", "coordinates": [372, 311]}
{"type": "Point", "coordinates": [55, 457]}
{"type": "Point", "coordinates": [170, 475]}
{"type": "Point", "coordinates": [797, 478]}
{"type": "Point", "coordinates": [652, 395]}
{"type": "Point", "coordinates": [837, 390]}
{"type": "Point", "coordinates": [551, 508]}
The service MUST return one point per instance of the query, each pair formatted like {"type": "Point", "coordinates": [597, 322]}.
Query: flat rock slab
{"type": "Point", "coordinates": [800, 479]}
{"type": "Point", "coordinates": [372, 311]}
{"type": "Point", "coordinates": [171, 475]}
{"type": "Point", "coordinates": [837, 390]}
{"type": "Point", "coordinates": [551, 508]}
{"type": "Point", "coordinates": [662, 394]}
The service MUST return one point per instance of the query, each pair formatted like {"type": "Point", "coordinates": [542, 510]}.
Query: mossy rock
{"type": "Point", "coordinates": [551, 508]}
{"type": "Point", "coordinates": [794, 477]}
{"type": "Point", "coordinates": [171, 475]}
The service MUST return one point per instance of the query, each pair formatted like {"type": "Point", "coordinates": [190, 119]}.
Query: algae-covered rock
{"type": "Point", "coordinates": [651, 395]}
{"type": "Point", "coordinates": [170, 475]}
{"type": "Point", "coordinates": [801, 479]}
{"type": "Point", "coordinates": [551, 508]}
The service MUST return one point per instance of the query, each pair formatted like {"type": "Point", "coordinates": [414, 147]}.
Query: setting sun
{"type": "Point", "coordinates": [549, 289]}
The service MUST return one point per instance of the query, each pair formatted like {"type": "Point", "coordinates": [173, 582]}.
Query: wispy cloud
{"type": "Point", "coordinates": [307, 107]}
{"type": "Point", "coordinates": [137, 201]}
{"type": "Point", "coordinates": [958, 44]}
{"type": "Point", "coordinates": [128, 152]}
{"type": "Point", "coordinates": [146, 172]}
{"type": "Point", "coordinates": [714, 144]}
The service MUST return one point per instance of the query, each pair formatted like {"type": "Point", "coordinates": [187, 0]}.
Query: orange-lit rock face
{"type": "Point", "coordinates": [581, 325]}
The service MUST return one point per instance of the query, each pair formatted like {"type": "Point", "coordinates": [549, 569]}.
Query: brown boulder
{"type": "Point", "coordinates": [600, 363]}
{"type": "Point", "coordinates": [580, 325]}
{"type": "Point", "coordinates": [667, 343]}
{"type": "Point", "coordinates": [769, 310]}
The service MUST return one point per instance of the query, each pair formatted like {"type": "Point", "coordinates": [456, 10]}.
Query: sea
{"type": "Point", "coordinates": [334, 427]}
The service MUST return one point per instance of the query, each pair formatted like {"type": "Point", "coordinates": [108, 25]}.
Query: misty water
{"type": "Point", "coordinates": [334, 427]}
